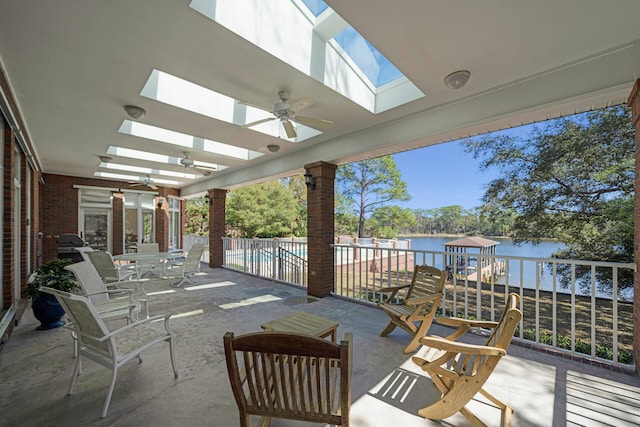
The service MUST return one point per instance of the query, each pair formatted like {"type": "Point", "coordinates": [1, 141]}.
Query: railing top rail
{"type": "Point", "coordinates": [505, 257]}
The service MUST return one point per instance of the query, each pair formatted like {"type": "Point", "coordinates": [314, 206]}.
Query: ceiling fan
{"type": "Point", "coordinates": [189, 163]}
{"type": "Point", "coordinates": [288, 113]}
{"type": "Point", "coordinates": [146, 181]}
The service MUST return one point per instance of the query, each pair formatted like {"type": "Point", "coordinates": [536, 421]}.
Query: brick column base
{"type": "Point", "coordinates": [217, 200]}
{"type": "Point", "coordinates": [634, 103]}
{"type": "Point", "coordinates": [320, 229]}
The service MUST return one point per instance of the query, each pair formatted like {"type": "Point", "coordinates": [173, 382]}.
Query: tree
{"type": "Point", "coordinates": [387, 221]}
{"type": "Point", "coordinates": [196, 217]}
{"type": "Point", "coordinates": [267, 209]}
{"type": "Point", "coordinates": [370, 184]}
{"type": "Point", "coordinates": [572, 179]}
{"type": "Point", "coordinates": [298, 189]}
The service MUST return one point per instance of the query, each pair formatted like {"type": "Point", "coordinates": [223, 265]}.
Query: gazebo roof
{"type": "Point", "coordinates": [472, 242]}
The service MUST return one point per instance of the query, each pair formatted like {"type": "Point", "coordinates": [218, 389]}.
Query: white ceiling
{"type": "Point", "coordinates": [73, 65]}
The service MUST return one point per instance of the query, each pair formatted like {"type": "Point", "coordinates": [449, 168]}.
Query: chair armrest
{"type": "Point", "coordinates": [393, 288]}
{"type": "Point", "coordinates": [469, 323]}
{"type": "Point", "coordinates": [129, 292]}
{"type": "Point", "coordinates": [423, 300]}
{"type": "Point", "coordinates": [136, 324]}
{"type": "Point", "coordinates": [459, 347]}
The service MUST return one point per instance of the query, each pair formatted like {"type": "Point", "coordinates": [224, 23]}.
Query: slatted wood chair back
{"type": "Point", "coordinates": [291, 376]}
{"type": "Point", "coordinates": [460, 373]}
{"type": "Point", "coordinates": [415, 312]}
{"type": "Point", "coordinates": [426, 282]}
{"type": "Point", "coordinates": [481, 366]}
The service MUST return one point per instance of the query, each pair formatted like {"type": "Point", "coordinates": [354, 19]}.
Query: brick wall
{"type": "Point", "coordinates": [217, 206]}
{"type": "Point", "coordinates": [60, 211]}
{"type": "Point", "coordinates": [320, 229]}
{"type": "Point", "coordinates": [634, 103]}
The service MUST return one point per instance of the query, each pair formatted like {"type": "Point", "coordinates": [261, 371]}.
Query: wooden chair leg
{"type": "Point", "coordinates": [386, 331]}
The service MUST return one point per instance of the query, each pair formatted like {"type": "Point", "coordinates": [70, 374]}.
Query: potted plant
{"type": "Point", "coordinates": [45, 306]}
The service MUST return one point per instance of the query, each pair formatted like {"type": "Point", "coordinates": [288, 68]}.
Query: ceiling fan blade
{"type": "Point", "coordinates": [259, 107]}
{"type": "Point", "coordinates": [301, 105]}
{"type": "Point", "coordinates": [202, 170]}
{"type": "Point", "coordinates": [314, 123]}
{"type": "Point", "coordinates": [152, 186]}
{"type": "Point", "coordinates": [288, 128]}
{"type": "Point", "coordinates": [248, 125]}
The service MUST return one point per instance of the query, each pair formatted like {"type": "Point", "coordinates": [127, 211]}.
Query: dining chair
{"type": "Point", "coordinates": [184, 269]}
{"type": "Point", "coordinates": [111, 348]}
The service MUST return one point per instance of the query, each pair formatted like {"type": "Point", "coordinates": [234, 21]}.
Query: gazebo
{"type": "Point", "coordinates": [483, 259]}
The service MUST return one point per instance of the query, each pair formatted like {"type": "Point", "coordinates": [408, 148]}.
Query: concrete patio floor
{"type": "Point", "coordinates": [36, 368]}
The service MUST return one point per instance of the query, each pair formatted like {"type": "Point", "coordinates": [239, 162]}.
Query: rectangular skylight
{"type": "Point", "coordinates": [347, 63]}
{"type": "Point", "coordinates": [172, 90]}
{"type": "Point", "coordinates": [158, 158]}
{"type": "Point", "coordinates": [123, 177]}
{"type": "Point", "coordinates": [190, 142]}
{"type": "Point", "coordinates": [138, 169]}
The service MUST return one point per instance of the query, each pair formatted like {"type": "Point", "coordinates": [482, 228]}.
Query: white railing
{"type": "Point", "coordinates": [567, 304]}
{"type": "Point", "coordinates": [284, 260]}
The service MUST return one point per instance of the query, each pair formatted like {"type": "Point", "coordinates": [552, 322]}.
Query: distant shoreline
{"type": "Point", "coordinates": [409, 236]}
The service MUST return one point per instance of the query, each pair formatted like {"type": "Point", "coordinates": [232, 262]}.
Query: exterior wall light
{"type": "Point", "coordinates": [309, 180]}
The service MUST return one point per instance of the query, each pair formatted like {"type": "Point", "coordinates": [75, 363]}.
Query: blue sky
{"type": "Point", "coordinates": [444, 175]}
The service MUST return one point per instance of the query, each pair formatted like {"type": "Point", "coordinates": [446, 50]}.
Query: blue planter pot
{"type": "Point", "coordinates": [48, 311]}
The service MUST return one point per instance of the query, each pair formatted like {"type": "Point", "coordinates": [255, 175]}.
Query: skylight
{"type": "Point", "coordinates": [123, 177]}
{"type": "Point", "coordinates": [147, 171]}
{"type": "Point", "coordinates": [375, 66]}
{"type": "Point", "coordinates": [155, 157]}
{"type": "Point", "coordinates": [320, 44]}
{"type": "Point", "coordinates": [172, 90]}
{"type": "Point", "coordinates": [187, 141]}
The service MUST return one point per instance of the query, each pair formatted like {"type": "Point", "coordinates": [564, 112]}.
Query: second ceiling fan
{"type": "Point", "coordinates": [287, 113]}
{"type": "Point", "coordinates": [190, 164]}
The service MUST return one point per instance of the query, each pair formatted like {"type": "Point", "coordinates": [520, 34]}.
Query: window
{"type": "Point", "coordinates": [139, 219]}
{"type": "Point", "coordinates": [174, 223]}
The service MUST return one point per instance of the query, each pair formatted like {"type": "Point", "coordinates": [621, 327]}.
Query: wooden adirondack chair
{"type": "Point", "coordinates": [460, 370]}
{"type": "Point", "coordinates": [416, 311]}
{"type": "Point", "coordinates": [291, 376]}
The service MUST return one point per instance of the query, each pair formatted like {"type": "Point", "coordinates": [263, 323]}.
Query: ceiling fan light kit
{"type": "Point", "coordinates": [273, 148]}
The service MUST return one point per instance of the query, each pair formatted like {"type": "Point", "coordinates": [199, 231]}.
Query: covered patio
{"type": "Point", "coordinates": [36, 367]}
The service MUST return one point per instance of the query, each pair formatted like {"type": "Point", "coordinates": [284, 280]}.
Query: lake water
{"type": "Point", "coordinates": [507, 248]}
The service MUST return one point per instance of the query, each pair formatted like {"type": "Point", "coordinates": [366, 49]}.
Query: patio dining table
{"type": "Point", "coordinates": [161, 257]}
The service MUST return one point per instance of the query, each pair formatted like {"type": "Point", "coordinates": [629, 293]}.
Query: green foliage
{"type": "Point", "coordinates": [583, 347]}
{"type": "Point", "coordinates": [268, 209]}
{"type": "Point", "coordinates": [370, 184]}
{"type": "Point", "coordinates": [387, 220]}
{"type": "Point", "coordinates": [196, 217]}
{"type": "Point", "coordinates": [53, 275]}
{"type": "Point", "coordinates": [572, 179]}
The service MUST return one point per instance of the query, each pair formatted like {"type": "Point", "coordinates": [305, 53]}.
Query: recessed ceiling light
{"type": "Point", "coordinates": [134, 112]}
{"type": "Point", "coordinates": [457, 79]}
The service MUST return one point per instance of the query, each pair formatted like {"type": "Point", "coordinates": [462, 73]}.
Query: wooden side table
{"type": "Point", "coordinates": [303, 323]}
